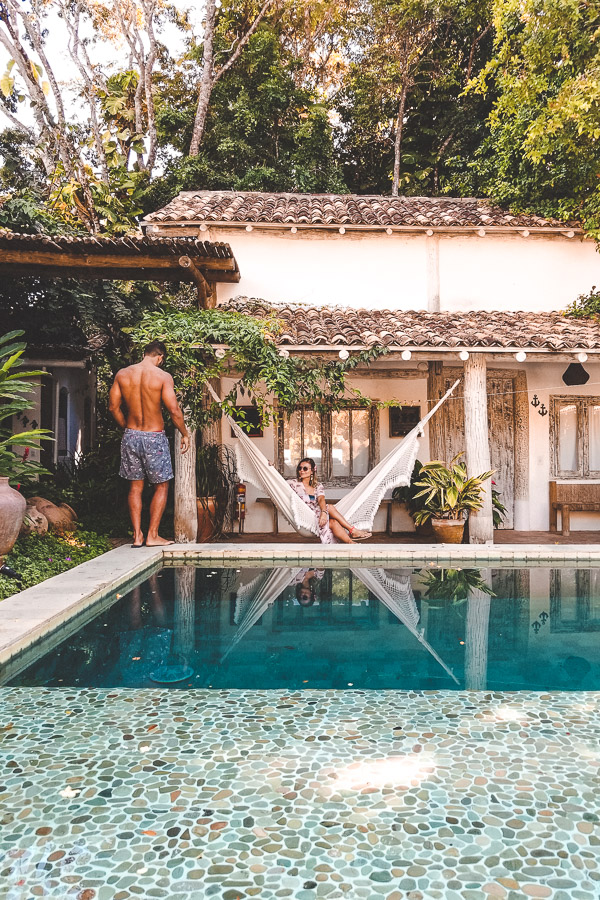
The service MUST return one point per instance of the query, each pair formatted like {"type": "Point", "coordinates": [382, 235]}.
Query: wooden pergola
{"type": "Point", "coordinates": [127, 258]}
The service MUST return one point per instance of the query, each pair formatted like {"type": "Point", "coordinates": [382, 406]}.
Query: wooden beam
{"type": "Point", "coordinates": [33, 257]}
{"type": "Point", "coordinates": [207, 295]}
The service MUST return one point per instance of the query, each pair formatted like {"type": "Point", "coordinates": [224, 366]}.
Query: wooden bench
{"type": "Point", "coordinates": [570, 498]}
{"type": "Point", "coordinates": [266, 501]}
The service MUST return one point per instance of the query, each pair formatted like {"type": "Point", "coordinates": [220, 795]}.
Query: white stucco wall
{"type": "Point", "coordinates": [374, 270]}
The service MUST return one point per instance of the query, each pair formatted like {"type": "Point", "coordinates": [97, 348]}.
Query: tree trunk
{"type": "Point", "coordinates": [398, 141]}
{"type": "Point", "coordinates": [207, 78]}
{"type": "Point", "coordinates": [477, 444]}
{"type": "Point", "coordinates": [476, 640]}
{"type": "Point", "coordinates": [186, 511]}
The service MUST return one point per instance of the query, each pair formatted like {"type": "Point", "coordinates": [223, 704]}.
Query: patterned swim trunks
{"type": "Point", "coordinates": [145, 454]}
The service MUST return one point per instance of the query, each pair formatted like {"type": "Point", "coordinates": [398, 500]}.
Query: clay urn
{"type": "Point", "coordinates": [34, 522]}
{"type": "Point", "coordinates": [60, 518]}
{"type": "Point", "coordinates": [12, 510]}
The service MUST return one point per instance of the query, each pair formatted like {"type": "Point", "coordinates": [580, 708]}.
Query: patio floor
{"type": "Point", "coordinates": [409, 537]}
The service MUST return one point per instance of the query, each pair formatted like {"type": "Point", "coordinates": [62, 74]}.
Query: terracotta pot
{"type": "Point", "coordinates": [425, 529]}
{"type": "Point", "coordinates": [448, 531]}
{"type": "Point", "coordinates": [34, 522]}
{"type": "Point", "coordinates": [206, 518]}
{"type": "Point", "coordinates": [12, 510]}
{"type": "Point", "coordinates": [60, 518]}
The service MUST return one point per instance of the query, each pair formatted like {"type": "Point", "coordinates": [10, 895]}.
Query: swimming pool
{"type": "Point", "coordinates": [359, 628]}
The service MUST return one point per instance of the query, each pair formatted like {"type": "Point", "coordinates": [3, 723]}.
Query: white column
{"type": "Point", "coordinates": [186, 511]}
{"type": "Point", "coordinates": [476, 640]}
{"type": "Point", "coordinates": [477, 444]}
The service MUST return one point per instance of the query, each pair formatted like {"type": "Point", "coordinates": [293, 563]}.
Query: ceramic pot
{"type": "Point", "coordinates": [34, 522]}
{"type": "Point", "coordinates": [448, 531]}
{"type": "Point", "coordinates": [60, 518]}
{"type": "Point", "coordinates": [12, 510]}
{"type": "Point", "coordinates": [206, 518]}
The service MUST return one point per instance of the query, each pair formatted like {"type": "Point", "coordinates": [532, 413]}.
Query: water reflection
{"type": "Point", "coordinates": [362, 627]}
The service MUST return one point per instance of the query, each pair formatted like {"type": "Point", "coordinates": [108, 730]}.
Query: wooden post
{"type": "Point", "coordinates": [186, 511]}
{"type": "Point", "coordinates": [521, 517]}
{"type": "Point", "coordinates": [477, 444]}
{"type": "Point", "coordinates": [476, 643]}
{"type": "Point", "coordinates": [437, 425]}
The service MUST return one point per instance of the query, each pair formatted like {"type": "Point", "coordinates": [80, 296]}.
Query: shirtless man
{"type": "Point", "coordinates": [135, 402]}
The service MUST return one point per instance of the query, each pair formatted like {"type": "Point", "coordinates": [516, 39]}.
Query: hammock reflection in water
{"type": "Point", "coordinates": [394, 592]}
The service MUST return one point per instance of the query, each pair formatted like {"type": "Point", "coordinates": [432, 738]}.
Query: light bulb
{"type": "Point", "coordinates": [464, 355]}
{"type": "Point", "coordinates": [284, 353]}
{"type": "Point", "coordinates": [521, 356]}
{"type": "Point", "coordinates": [249, 228]}
{"type": "Point", "coordinates": [388, 231]}
{"type": "Point", "coordinates": [342, 230]}
{"type": "Point", "coordinates": [220, 353]}
{"type": "Point", "coordinates": [582, 357]}
{"type": "Point", "coordinates": [343, 354]}
{"type": "Point", "coordinates": [293, 229]}
{"type": "Point", "coordinates": [481, 232]}
{"type": "Point", "coordinates": [406, 354]}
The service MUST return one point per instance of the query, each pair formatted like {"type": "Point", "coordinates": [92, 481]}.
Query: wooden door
{"type": "Point", "coordinates": [447, 431]}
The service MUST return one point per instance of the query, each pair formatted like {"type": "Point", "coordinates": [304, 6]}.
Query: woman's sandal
{"type": "Point", "coordinates": [357, 535]}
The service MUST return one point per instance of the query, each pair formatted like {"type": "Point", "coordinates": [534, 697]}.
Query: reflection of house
{"type": "Point", "coordinates": [450, 287]}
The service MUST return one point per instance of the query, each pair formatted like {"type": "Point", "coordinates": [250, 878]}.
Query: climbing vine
{"type": "Point", "coordinates": [205, 344]}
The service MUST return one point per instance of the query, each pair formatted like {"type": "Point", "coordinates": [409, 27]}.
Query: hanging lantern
{"type": "Point", "coordinates": [575, 374]}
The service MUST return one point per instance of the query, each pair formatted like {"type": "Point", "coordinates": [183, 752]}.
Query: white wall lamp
{"type": "Point", "coordinates": [429, 232]}
{"type": "Point", "coordinates": [389, 231]}
{"type": "Point", "coordinates": [569, 234]}
{"type": "Point", "coordinates": [406, 355]}
{"type": "Point", "coordinates": [204, 227]}
{"type": "Point", "coordinates": [481, 232]}
{"type": "Point", "coordinates": [343, 354]}
{"type": "Point", "coordinates": [220, 353]}
{"type": "Point", "coordinates": [249, 228]}
{"type": "Point", "coordinates": [293, 229]}
{"type": "Point", "coordinates": [525, 232]}
{"type": "Point", "coordinates": [520, 356]}
{"type": "Point", "coordinates": [464, 355]}
{"type": "Point", "coordinates": [582, 357]}
{"type": "Point", "coordinates": [285, 354]}
{"type": "Point", "coordinates": [342, 230]}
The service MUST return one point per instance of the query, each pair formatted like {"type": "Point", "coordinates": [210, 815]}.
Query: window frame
{"type": "Point", "coordinates": [326, 468]}
{"type": "Point", "coordinates": [582, 404]}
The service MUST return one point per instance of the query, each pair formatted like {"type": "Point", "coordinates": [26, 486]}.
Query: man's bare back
{"type": "Point", "coordinates": [135, 402]}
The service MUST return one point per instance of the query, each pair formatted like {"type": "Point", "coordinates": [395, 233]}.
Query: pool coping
{"type": "Point", "coordinates": [27, 617]}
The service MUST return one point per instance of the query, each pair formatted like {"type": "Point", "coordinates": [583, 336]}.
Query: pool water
{"type": "Point", "coordinates": [362, 628]}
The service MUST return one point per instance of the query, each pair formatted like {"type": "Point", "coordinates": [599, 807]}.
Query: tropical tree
{"type": "Point", "coordinates": [542, 149]}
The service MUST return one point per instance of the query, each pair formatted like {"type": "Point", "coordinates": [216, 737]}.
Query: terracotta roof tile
{"type": "Point", "coordinates": [339, 326]}
{"type": "Point", "coordinates": [341, 209]}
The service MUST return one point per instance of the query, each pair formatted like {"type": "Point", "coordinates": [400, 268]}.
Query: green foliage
{"type": "Point", "coordinates": [410, 493]}
{"type": "Point", "coordinates": [447, 490]}
{"type": "Point", "coordinates": [498, 507]}
{"type": "Point", "coordinates": [448, 587]}
{"type": "Point", "coordinates": [586, 306]}
{"type": "Point", "coordinates": [541, 154]}
{"type": "Point", "coordinates": [15, 386]}
{"type": "Point", "coordinates": [38, 557]}
{"type": "Point", "coordinates": [216, 477]}
{"type": "Point", "coordinates": [192, 360]}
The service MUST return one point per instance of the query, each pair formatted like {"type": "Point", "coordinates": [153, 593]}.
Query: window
{"type": "Point", "coordinates": [249, 415]}
{"type": "Point", "coordinates": [575, 437]}
{"type": "Point", "coordinates": [341, 442]}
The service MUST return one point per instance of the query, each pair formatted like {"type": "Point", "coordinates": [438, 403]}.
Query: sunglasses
{"type": "Point", "coordinates": [304, 468]}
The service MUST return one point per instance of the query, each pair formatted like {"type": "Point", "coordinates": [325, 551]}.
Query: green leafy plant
{"type": "Point", "coordinates": [586, 306]}
{"type": "Point", "coordinates": [447, 490]}
{"type": "Point", "coordinates": [498, 507]}
{"type": "Point", "coordinates": [446, 587]}
{"type": "Point", "coordinates": [41, 556]}
{"type": "Point", "coordinates": [194, 356]}
{"type": "Point", "coordinates": [14, 388]}
{"type": "Point", "coordinates": [408, 494]}
{"type": "Point", "coordinates": [216, 477]}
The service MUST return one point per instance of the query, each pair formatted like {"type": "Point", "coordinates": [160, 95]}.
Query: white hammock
{"type": "Point", "coordinates": [363, 501]}
{"type": "Point", "coordinates": [397, 595]}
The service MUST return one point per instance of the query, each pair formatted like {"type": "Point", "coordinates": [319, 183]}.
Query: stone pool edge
{"type": "Point", "coordinates": [30, 615]}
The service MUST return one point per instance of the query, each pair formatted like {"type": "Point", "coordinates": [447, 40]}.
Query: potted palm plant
{"type": "Point", "coordinates": [448, 495]}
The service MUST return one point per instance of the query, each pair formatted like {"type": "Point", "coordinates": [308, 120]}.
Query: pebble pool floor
{"type": "Point", "coordinates": [117, 794]}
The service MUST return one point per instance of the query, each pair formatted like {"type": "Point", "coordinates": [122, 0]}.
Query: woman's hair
{"type": "Point", "coordinates": [300, 587]}
{"type": "Point", "coordinates": [313, 472]}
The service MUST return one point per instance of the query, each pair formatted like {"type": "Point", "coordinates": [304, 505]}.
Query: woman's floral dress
{"type": "Point", "coordinates": [310, 497]}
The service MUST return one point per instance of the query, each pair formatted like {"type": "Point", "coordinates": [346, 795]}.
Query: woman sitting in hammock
{"type": "Point", "coordinates": [332, 526]}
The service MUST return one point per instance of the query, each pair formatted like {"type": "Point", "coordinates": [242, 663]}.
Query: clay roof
{"type": "Point", "coordinates": [100, 245]}
{"type": "Point", "coordinates": [337, 325]}
{"type": "Point", "coordinates": [322, 210]}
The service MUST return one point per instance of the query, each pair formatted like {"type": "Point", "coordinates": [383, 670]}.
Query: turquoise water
{"type": "Point", "coordinates": [357, 629]}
